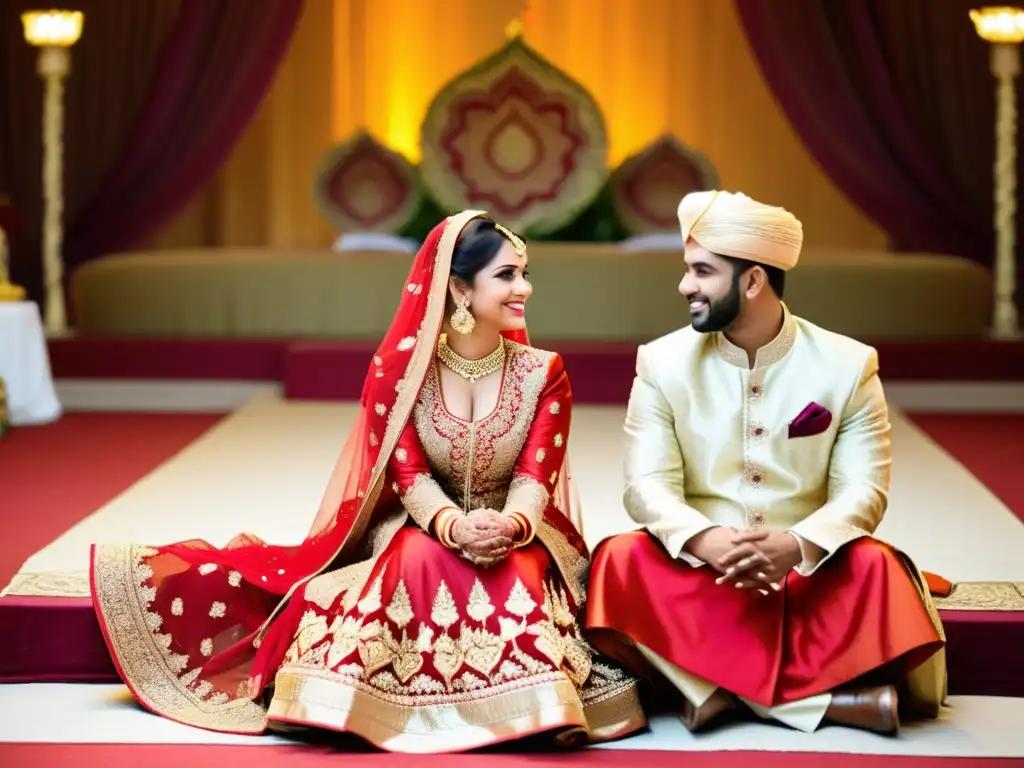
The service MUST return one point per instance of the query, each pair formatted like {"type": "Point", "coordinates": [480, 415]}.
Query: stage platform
{"type": "Point", "coordinates": [262, 470]}
{"type": "Point", "coordinates": [602, 372]}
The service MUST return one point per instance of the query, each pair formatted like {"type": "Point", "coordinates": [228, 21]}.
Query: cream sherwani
{"type": "Point", "coordinates": [708, 445]}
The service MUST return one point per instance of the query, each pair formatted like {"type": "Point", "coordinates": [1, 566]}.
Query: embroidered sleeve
{"type": "Point", "coordinates": [423, 498]}
{"type": "Point", "coordinates": [858, 474]}
{"type": "Point", "coordinates": [540, 460]}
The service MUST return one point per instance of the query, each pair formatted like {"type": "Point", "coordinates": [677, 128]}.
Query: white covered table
{"type": "Point", "coordinates": [25, 365]}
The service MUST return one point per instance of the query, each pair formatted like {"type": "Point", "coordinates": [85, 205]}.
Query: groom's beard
{"type": "Point", "coordinates": [719, 314]}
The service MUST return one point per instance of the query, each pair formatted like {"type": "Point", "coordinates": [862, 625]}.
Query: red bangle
{"type": "Point", "coordinates": [523, 526]}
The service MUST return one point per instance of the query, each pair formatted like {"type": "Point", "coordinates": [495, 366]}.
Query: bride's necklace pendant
{"type": "Point", "coordinates": [470, 369]}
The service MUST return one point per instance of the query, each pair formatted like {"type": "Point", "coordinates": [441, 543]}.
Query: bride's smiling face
{"type": "Point", "coordinates": [488, 271]}
{"type": "Point", "coordinates": [500, 291]}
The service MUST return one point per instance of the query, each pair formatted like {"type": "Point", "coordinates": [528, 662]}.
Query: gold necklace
{"type": "Point", "coordinates": [470, 369]}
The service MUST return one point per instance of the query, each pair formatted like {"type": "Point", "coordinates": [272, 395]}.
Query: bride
{"type": "Point", "coordinates": [433, 605]}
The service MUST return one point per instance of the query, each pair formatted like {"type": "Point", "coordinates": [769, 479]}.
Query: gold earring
{"type": "Point", "coordinates": [462, 320]}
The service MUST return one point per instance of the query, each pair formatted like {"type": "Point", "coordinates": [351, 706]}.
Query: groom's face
{"type": "Point", "coordinates": [712, 288]}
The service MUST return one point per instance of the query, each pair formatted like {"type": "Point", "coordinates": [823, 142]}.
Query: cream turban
{"type": "Point", "coordinates": [732, 224]}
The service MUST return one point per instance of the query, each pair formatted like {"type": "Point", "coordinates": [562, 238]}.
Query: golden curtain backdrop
{"type": "Point", "coordinates": [661, 66]}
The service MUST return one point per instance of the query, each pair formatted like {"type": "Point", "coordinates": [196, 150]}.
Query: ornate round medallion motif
{"type": "Point", "coordinates": [647, 187]}
{"type": "Point", "coordinates": [514, 147]}
{"type": "Point", "coordinates": [516, 136]}
{"type": "Point", "coordinates": [362, 186]}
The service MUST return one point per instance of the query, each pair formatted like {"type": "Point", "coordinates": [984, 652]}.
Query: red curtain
{"type": "Point", "coordinates": [159, 93]}
{"type": "Point", "coordinates": [895, 100]}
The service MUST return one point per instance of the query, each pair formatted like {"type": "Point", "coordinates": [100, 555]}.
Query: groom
{"type": "Point", "coordinates": [757, 468]}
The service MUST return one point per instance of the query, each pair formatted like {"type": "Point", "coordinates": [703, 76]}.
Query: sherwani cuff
{"type": "Point", "coordinates": [690, 560]}
{"type": "Point", "coordinates": [811, 555]}
{"type": "Point", "coordinates": [829, 536]}
{"type": "Point", "coordinates": [675, 539]}
{"type": "Point", "coordinates": [661, 512]}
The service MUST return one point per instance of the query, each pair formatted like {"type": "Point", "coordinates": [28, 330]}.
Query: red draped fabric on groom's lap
{"type": "Point", "coordinates": [896, 102]}
{"type": "Point", "coordinates": [810, 638]}
{"type": "Point", "coordinates": [162, 92]}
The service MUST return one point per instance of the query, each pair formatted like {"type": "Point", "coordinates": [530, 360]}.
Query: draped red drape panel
{"type": "Point", "coordinates": [896, 102]}
{"type": "Point", "coordinates": [160, 91]}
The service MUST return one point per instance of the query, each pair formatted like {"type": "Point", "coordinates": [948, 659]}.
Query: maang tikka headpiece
{"type": "Point", "coordinates": [516, 240]}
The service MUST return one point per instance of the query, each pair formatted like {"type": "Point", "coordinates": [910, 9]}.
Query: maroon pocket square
{"type": "Point", "coordinates": [813, 420]}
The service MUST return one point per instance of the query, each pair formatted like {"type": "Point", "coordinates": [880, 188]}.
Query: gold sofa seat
{"type": "Point", "coordinates": [582, 292]}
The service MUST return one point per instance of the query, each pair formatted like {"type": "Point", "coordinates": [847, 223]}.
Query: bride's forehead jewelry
{"type": "Point", "coordinates": [516, 240]}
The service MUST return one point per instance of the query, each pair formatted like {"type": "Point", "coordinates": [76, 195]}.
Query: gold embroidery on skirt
{"type": "Point", "coordinates": [160, 678]}
{"type": "Point", "coordinates": [466, 657]}
{"type": "Point", "coordinates": [473, 690]}
{"type": "Point", "coordinates": [574, 567]}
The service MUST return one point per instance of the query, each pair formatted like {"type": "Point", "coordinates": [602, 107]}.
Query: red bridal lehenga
{"type": "Point", "coordinates": [371, 626]}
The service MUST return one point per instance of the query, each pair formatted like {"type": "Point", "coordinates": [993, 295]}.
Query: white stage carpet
{"type": "Point", "coordinates": [105, 714]}
{"type": "Point", "coordinates": [263, 469]}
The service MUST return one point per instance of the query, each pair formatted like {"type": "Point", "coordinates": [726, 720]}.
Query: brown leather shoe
{"type": "Point", "coordinates": [913, 709]}
{"type": "Point", "coordinates": [696, 718]}
{"type": "Point", "coordinates": [870, 709]}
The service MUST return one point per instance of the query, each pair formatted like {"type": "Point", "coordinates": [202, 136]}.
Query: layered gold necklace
{"type": "Point", "coordinates": [470, 369]}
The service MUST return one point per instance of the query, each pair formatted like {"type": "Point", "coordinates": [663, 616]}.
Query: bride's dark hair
{"type": "Point", "coordinates": [476, 248]}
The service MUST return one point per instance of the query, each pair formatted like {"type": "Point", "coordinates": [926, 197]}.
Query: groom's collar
{"type": "Point", "coordinates": [770, 353]}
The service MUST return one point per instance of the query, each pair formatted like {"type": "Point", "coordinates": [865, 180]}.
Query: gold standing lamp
{"type": "Point", "coordinates": [8, 291]}
{"type": "Point", "coordinates": [1003, 28]}
{"type": "Point", "coordinates": [53, 32]}
{"type": "Point", "coordinates": [5, 420]}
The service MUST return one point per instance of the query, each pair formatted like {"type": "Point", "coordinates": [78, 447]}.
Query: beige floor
{"type": "Point", "coordinates": [105, 714]}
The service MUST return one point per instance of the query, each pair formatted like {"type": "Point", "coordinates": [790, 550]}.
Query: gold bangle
{"type": "Point", "coordinates": [444, 521]}
{"type": "Point", "coordinates": [525, 533]}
